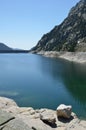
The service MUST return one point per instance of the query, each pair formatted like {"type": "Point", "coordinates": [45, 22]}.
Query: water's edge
{"type": "Point", "coordinates": [79, 57]}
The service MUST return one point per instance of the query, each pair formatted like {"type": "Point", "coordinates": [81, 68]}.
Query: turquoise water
{"type": "Point", "coordinates": [33, 80]}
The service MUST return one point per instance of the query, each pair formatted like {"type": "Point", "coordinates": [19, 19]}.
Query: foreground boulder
{"type": "Point", "coordinates": [16, 124]}
{"type": "Point", "coordinates": [48, 117]}
{"type": "Point", "coordinates": [13, 117]}
{"type": "Point", "coordinates": [5, 117]}
{"type": "Point", "coordinates": [9, 122]}
{"type": "Point", "coordinates": [76, 125]}
{"type": "Point", "coordinates": [64, 111]}
{"type": "Point", "coordinates": [6, 103]}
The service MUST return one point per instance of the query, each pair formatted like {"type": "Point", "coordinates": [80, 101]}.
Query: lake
{"type": "Point", "coordinates": [41, 82]}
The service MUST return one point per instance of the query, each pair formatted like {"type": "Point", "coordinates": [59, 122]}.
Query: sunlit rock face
{"type": "Point", "coordinates": [70, 35]}
{"type": "Point", "coordinates": [64, 111]}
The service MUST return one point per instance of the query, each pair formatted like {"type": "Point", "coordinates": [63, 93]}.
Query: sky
{"type": "Point", "coordinates": [24, 22]}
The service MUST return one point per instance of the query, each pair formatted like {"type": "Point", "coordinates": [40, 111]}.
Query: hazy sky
{"type": "Point", "coordinates": [23, 22]}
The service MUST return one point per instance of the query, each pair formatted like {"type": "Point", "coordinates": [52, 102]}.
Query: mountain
{"type": "Point", "coordinates": [70, 35]}
{"type": "Point", "coordinates": [3, 47]}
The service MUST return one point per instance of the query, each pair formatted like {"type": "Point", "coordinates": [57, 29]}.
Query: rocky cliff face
{"type": "Point", "coordinates": [70, 35]}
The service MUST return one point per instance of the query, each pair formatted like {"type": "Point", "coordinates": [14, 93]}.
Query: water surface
{"type": "Point", "coordinates": [40, 82]}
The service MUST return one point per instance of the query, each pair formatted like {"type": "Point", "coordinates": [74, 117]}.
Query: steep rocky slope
{"type": "Point", "coordinates": [70, 35]}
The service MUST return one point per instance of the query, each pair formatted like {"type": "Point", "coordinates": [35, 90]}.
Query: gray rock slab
{"type": "Point", "coordinates": [76, 124]}
{"type": "Point", "coordinates": [6, 103]}
{"type": "Point", "coordinates": [5, 117]}
{"type": "Point", "coordinates": [16, 124]}
{"type": "Point", "coordinates": [48, 116]}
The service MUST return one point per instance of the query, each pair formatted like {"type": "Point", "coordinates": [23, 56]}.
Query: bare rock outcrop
{"type": "Point", "coordinates": [69, 36]}
{"type": "Point", "coordinates": [13, 117]}
{"type": "Point", "coordinates": [64, 111]}
{"type": "Point", "coordinates": [48, 117]}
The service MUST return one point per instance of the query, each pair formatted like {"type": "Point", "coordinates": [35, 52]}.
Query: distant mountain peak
{"type": "Point", "coordinates": [70, 35]}
{"type": "Point", "coordinates": [4, 47]}
{"type": "Point", "coordinates": [78, 8]}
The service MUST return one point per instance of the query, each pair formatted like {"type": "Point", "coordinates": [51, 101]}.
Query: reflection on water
{"type": "Point", "coordinates": [33, 80]}
{"type": "Point", "coordinates": [73, 76]}
{"type": "Point", "coordinates": [8, 93]}
{"type": "Point", "coordinates": [75, 81]}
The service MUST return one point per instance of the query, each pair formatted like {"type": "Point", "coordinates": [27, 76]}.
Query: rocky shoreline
{"type": "Point", "coordinates": [13, 117]}
{"type": "Point", "coordinates": [79, 57]}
